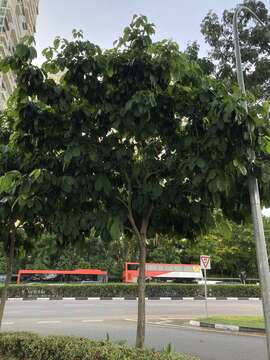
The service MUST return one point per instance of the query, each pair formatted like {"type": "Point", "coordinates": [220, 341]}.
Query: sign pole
{"type": "Point", "coordinates": [205, 293]}
{"type": "Point", "coordinates": [205, 263]}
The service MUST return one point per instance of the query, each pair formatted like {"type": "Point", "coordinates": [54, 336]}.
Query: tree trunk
{"type": "Point", "coordinates": [141, 237]}
{"type": "Point", "coordinates": [12, 236]}
{"type": "Point", "coordinates": [141, 293]}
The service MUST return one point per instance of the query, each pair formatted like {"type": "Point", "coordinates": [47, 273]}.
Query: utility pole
{"type": "Point", "coordinates": [262, 258]}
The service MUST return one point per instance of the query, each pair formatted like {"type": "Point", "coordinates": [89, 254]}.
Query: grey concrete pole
{"type": "Point", "coordinates": [205, 294]}
{"type": "Point", "coordinates": [261, 250]}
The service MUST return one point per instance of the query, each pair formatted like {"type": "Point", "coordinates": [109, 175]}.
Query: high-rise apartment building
{"type": "Point", "coordinates": [17, 19]}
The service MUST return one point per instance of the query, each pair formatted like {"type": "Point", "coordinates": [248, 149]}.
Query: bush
{"type": "Point", "coordinates": [130, 290]}
{"type": "Point", "coordinates": [234, 291]}
{"type": "Point", "coordinates": [34, 347]}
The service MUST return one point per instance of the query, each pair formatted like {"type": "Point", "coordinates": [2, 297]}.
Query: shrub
{"type": "Point", "coordinates": [130, 290]}
{"type": "Point", "coordinates": [34, 347]}
{"type": "Point", "coordinates": [234, 291]}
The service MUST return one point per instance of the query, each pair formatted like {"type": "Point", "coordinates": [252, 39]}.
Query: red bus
{"type": "Point", "coordinates": [163, 272]}
{"type": "Point", "coordinates": [62, 276]}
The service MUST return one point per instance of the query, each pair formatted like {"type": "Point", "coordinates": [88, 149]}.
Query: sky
{"type": "Point", "coordinates": [102, 21]}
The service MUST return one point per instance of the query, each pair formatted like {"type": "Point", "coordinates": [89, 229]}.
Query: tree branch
{"type": "Point", "coordinates": [130, 212]}
{"type": "Point", "coordinates": [146, 219]}
{"type": "Point", "coordinates": [122, 202]}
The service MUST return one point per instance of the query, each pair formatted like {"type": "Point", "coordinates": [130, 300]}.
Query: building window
{"type": "Point", "coordinates": [6, 24]}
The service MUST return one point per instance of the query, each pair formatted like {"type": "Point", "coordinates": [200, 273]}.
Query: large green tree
{"type": "Point", "coordinates": [133, 140]}
{"type": "Point", "coordinates": [18, 205]}
{"type": "Point", "coordinates": [254, 42]}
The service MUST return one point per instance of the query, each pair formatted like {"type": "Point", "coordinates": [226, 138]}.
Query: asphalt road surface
{"type": "Point", "coordinates": [96, 318]}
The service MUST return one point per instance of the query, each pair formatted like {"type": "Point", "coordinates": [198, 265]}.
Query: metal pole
{"type": "Point", "coordinates": [262, 258]}
{"type": "Point", "coordinates": [205, 293]}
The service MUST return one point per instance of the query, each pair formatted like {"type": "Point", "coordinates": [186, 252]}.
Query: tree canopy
{"type": "Point", "coordinates": [135, 139]}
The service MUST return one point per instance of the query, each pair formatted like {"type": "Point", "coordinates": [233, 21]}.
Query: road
{"type": "Point", "coordinates": [96, 318]}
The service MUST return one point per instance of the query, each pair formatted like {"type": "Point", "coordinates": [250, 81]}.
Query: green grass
{"type": "Point", "coordinates": [249, 321]}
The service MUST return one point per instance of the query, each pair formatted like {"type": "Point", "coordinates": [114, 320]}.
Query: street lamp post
{"type": "Point", "coordinates": [262, 258]}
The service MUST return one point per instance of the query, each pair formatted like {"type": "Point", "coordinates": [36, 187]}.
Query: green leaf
{"type": "Point", "coordinates": [48, 53]}
{"type": "Point", "coordinates": [106, 185]}
{"type": "Point", "coordinates": [212, 174]}
{"type": "Point", "coordinates": [110, 72]}
{"type": "Point", "coordinates": [67, 157]}
{"type": "Point", "coordinates": [103, 183]}
{"type": "Point", "coordinates": [4, 200]}
{"type": "Point", "coordinates": [235, 163]}
{"type": "Point", "coordinates": [22, 51]}
{"type": "Point", "coordinates": [8, 180]}
{"type": "Point", "coordinates": [243, 170]}
{"type": "Point", "coordinates": [76, 152]}
{"type": "Point", "coordinates": [201, 163]}
{"type": "Point", "coordinates": [266, 145]}
{"type": "Point", "coordinates": [35, 174]}
{"type": "Point", "coordinates": [217, 201]}
{"type": "Point", "coordinates": [220, 183]}
{"type": "Point", "coordinates": [187, 89]}
{"type": "Point", "coordinates": [56, 43]}
{"type": "Point", "coordinates": [115, 230]}
{"type": "Point", "coordinates": [32, 53]}
{"type": "Point", "coordinates": [67, 183]}
{"type": "Point", "coordinates": [251, 154]}
{"type": "Point", "coordinates": [240, 167]}
{"type": "Point", "coordinates": [99, 184]}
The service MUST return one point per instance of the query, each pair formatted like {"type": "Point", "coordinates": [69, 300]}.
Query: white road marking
{"type": "Point", "coordinates": [8, 323]}
{"type": "Point", "coordinates": [89, 321]}
{"type": "Point", "coordinates": [49, 322]}
{"type": "Point", "coordinates": [118, 298]}
{"type": "Point", "coordinates": [69, 298]}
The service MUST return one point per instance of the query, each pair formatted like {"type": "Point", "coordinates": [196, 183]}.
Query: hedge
{"type": "Point", "coordinates": [28, 346]}
{"type": "Point", "coordinates": [130, 290]}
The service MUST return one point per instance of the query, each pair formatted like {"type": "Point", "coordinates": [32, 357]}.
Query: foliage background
{"type": "Point", "coordinates": [230, 245]}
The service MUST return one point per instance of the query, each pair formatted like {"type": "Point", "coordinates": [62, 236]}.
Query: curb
{"type": "Point", "coordinates": [197, 298]}
{"type": "Point", "coordinates": [234, 328]}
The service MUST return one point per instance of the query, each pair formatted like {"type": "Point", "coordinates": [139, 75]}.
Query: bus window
{"type": "Point", "coordinates": [133, 266]}
{"type": "Point", "coordinates": [60, 276]}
